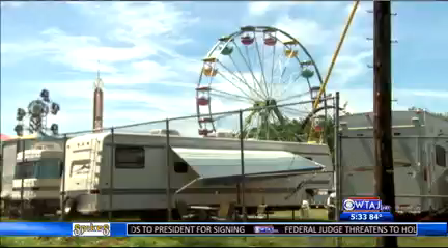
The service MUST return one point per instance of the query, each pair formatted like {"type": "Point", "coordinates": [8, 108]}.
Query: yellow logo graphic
{"type": "Point", "coordinates": [91, 229]}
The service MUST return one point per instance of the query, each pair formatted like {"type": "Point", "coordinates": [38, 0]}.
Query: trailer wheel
{"type": "Point", "coordinates": [331, 213]}
{"type": "Point", "coordinates": [6, 206]}
{"type": "Point", "coordinates": [251, 211]}
{"type": "Point", "coordinates": [155, 215]}
{"type": "Point", "coordinates": [71, 206]}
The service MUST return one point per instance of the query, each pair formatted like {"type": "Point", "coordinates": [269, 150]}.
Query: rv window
{"type": "Point", "coordinates": [47, 169]}
{"type": "Point", "coordinates": [440, 156]}
{"type": "Point", "coordinates": [80, 167]}
{"type": "Point", "coordinates": [41, 169]}
{"type": "Point", "coordinates": [180, 167]}
{"type": "Point", "coordinates": [24, 170]}
{"type": "Point", "coordinates": [309, 158]}
{"type": "Point", "coordinates": [129, 157]}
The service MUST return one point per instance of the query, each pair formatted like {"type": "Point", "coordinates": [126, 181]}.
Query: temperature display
{"type": "Point", "coordinates": [366, 216]}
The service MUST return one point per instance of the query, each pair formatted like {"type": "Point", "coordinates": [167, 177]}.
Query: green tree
{"type": "Point", "coordinates": [443, 115]}
{"type": "Point", "coordinates": [291, 130]}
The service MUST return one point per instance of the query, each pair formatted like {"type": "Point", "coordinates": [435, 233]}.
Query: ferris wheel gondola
{"type": "Point", "coordinates": [258, 67]}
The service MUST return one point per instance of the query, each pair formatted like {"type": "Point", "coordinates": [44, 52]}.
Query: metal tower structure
{"type": "Point", "coordinates": [37, 113]}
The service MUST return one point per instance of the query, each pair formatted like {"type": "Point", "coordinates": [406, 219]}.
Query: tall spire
{"type": "Point", "coordinates": [98, 81]}
{"type": "Point", "coordinates": [98, 70]}
{"type": "Point", "coordinates": [98, 101]}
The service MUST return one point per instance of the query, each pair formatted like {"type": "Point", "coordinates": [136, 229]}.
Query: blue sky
{"type": "Point", "coordinates": [151, 53]}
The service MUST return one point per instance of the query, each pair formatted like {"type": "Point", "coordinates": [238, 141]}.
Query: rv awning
{"type": "Point", "coordinates": [224, 166]}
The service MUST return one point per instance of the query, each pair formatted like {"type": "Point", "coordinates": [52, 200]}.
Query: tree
{"type": "Point", "coordinates": [443, 115]}
{"type": "Point", "coordinates": [292, 130]}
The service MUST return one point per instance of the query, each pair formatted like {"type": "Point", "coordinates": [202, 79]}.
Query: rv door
{"type": "Point", "coordinates": [431, 172]}
{"type": "Point", "coordinates": [61, 168]}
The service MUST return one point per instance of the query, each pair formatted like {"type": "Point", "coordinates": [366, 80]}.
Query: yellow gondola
{"type": "Point", "coordinates": [289, 53]}
{"type": "Point", "coordinates": [209, 71]}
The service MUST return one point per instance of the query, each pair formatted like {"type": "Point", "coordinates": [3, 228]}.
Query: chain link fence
{"type": "Point", "coordinates": [109, 159]}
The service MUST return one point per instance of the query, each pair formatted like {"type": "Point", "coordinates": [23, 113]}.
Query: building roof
{"type": "Point", "coordinates": [4, 137]}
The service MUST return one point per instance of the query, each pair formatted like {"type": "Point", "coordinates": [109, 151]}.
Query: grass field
{"type": "Point", "coordinates": [221, 241]}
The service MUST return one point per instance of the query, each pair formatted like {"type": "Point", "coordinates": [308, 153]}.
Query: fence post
{"type": "Point", "coordinates": [22, 201]}
{"type": "Point", "coordinates": [62, 165]}
{"type": "Point", "coordinates": [243, 173]}
{"type": "Point", "coordinates": [338, 167]}
{"type": "Point", "coordinates": [168, 169]}
{"type": "Point", "coordinates": [112, 168]}
{"type": "Point", "coordinates": [2, 201]}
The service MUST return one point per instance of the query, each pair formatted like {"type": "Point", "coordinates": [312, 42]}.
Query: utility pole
{"type": "Point", "coordinates": [382, 97]}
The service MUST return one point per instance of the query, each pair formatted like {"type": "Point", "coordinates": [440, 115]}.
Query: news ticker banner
{"type": "Point", "coordinates": [120, 229]}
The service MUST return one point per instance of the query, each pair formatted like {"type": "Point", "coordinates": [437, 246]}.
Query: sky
{"type": "Point", "coordinates": [151, 54]}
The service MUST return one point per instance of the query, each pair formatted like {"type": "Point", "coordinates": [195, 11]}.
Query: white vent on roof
{"type": "Point", "coordinates": [415, 121]}
{"type": "Point", "coordinates": [224, 134]}
{"type": "Point", "coordinates": [343, 126]}
{"type": "Point", "coordinates": [221, 134]}
{"type": "Point", "coordinates": [47, 146]}
{"type": "Point", "coordinates": [163, 132]}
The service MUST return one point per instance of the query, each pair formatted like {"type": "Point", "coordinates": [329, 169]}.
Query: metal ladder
{"type": "Point", "coordinates": [92, 169]}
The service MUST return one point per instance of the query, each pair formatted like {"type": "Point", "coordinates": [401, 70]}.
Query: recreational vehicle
{"type": "Point", "coordinates": [132, 176]}
{"type": "Point", "coordinates": [36, 181]}
{"type": "Point", "coordinates": [420, 145]}
{"type": "Point", "coordinates": [9, 153]}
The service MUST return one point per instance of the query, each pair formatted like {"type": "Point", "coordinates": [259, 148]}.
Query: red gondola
{"type": "Point", "coordinates": [247, 39]}
{"type": "Point", "coordinates": [202, 101]}
{"type": "Point", "coordinates": [269, 38]}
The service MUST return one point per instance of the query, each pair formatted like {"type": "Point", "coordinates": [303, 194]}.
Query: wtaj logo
{"type": "Point", "coordinates": [348, 205]}
{"type": "Point", "coordinates": [98, 229]}
{"type": "Point", "coordinates": [362, 204]}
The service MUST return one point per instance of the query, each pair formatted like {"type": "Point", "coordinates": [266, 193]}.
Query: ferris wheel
{"type": "Point", "coordinates": [256, 66]}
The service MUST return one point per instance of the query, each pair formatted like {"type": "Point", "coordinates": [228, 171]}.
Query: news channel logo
{"type": "Point", "coordinates": [348, 205]}
{"type": "Point", "coordinates": [367, 204]}
{"type": "Point", "coordinates": [264, 230]}
{"type": "Point", "coordinates": [90, 229]}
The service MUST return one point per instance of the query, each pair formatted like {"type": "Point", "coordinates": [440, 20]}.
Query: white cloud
{"type": "Point", "coordinates": [308, 32]}
{"type": "Point", "coordinates": [148, 27]}
{"type": "Point", "coordinates": [348, 67]}
{"type": "Point", "coordinates": [361, 100]}
{"type": "Point", "coordinates": [11, 4]}
{"type": "Point", "coordinates": [136, 23]}
{"type": "Point", "coordinates": [430, 93]}
{"type": "Point", "coordinates": [259, 8]}
{"type": "Point", "coordinates": [148, 74]}
{"type": "Point", "coordinates": [362, 9]}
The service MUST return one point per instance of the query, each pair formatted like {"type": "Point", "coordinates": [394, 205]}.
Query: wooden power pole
{"type": "Point", "coordinates": [382, 87]}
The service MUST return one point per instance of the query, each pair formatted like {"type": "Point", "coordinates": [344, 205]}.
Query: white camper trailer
{"type": "Point", "coordinates": [420, 145]}
{"type": "Point", "coordinates": [207, 170]}
{"type": "Point", "coordinates": [36, 182]}
{"type": "Point", "coordinates": [10, 148]}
